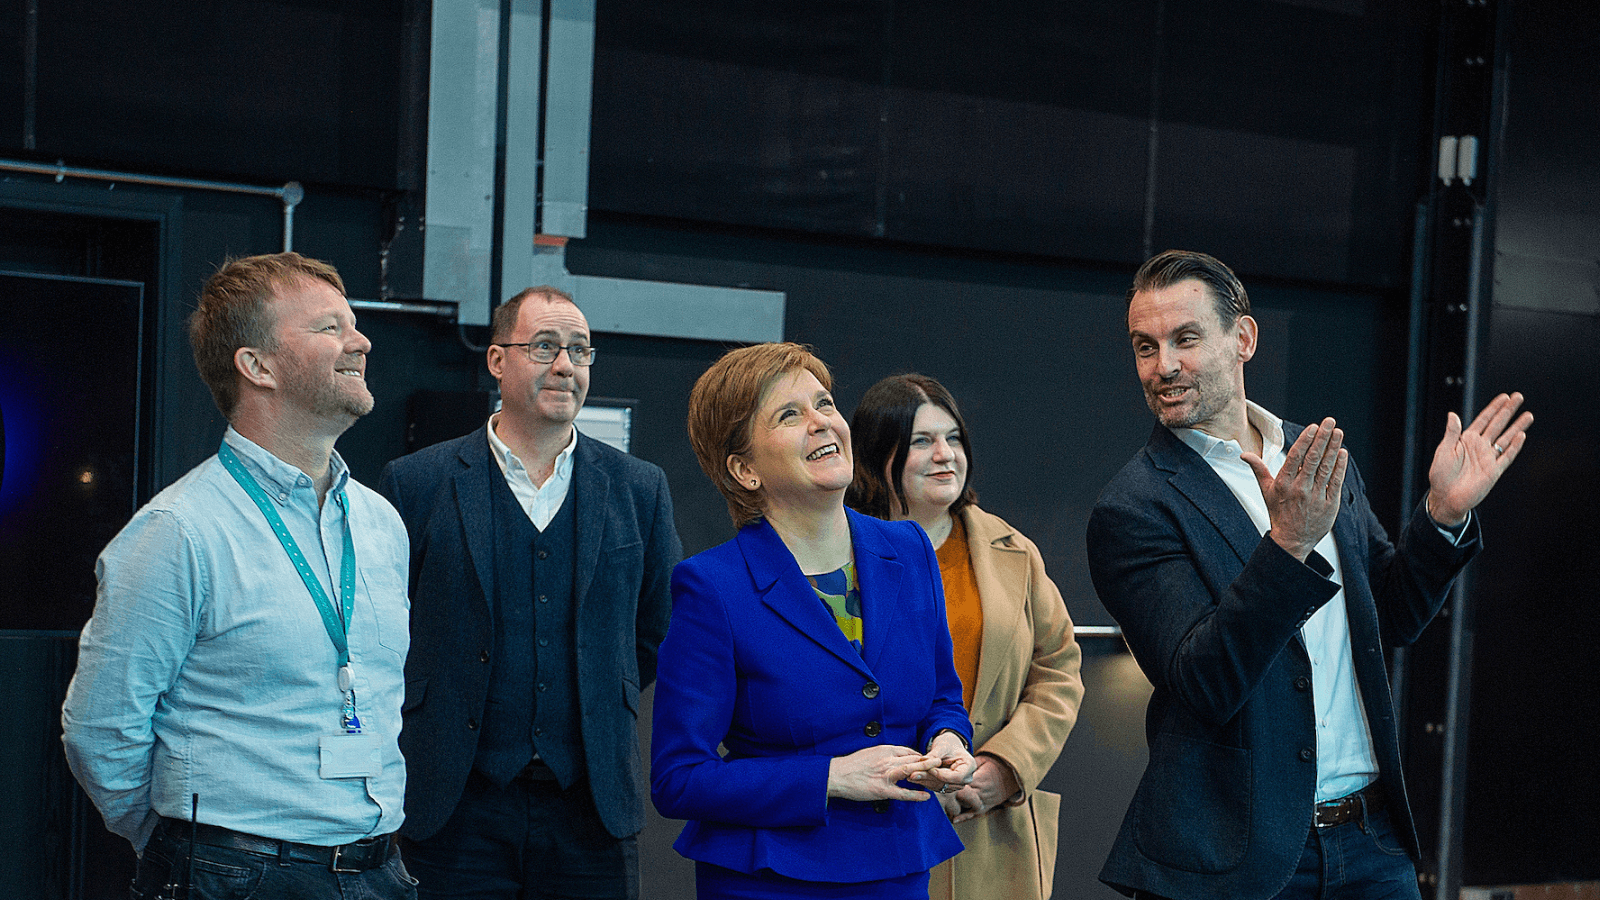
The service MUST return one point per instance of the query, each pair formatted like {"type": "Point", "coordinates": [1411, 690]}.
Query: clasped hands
{"type": "Point", "coordinates": [1303, 498]}
{"type": "Point", "coordinates": [874, 773]}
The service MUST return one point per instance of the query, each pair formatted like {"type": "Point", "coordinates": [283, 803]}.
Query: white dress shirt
{"type": "Point", "coordinates": [540, 502]}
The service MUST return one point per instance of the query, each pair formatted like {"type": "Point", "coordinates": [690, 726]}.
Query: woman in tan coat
{"type": "Point", "coordinates": [1014, 647]}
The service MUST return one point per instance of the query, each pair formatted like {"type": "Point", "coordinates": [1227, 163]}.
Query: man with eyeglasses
{"type": "Point", "coordinates": [541, 562]}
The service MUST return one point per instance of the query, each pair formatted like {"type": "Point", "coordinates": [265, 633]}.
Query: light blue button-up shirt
{"type": "Point", "coordinates": [206, 668]}
{"type": "Point", "coordinates": [1346, 761]}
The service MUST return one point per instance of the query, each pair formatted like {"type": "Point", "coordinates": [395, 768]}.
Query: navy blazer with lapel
{"type": "Point", "coordinates": [755, 663]}
{"type": "Point", "coordinates": [627, 544]}
{"type": "Point", "coordinates": [1212, 611]}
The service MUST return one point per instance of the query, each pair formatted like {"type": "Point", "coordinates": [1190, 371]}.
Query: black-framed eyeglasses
{"type": "Point", "coordinates": [546, 352]}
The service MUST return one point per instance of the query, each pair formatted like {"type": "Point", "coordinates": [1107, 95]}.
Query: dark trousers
{"type": "Point", "coordinates": [1359, 860]}
{"type": "Point", "coordinates": [529, 840]}
{"type": "Point", "coordinates": [223, 873]}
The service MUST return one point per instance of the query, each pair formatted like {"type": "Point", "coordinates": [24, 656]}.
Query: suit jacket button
{"type": "Point", "coordinates": [881, 806]}
{"type": "Point", "coordinates": [873, 729]}
{"type": "Point", "coordinates": [1302, 683]}
{"type": "Point", "coordinates": [869, 690]}
{"type": "Point", "coordinates": [472, 724]}
{"type": "Point", "coordinates": [1308, 754]}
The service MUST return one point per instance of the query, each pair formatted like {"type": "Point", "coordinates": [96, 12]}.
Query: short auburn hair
{"type": "Point", "coordinates": [234, 312]}
{"type": "Point", "coordinates": [722, 409]}
{"type": "Point", "coordinates": [880, 433]}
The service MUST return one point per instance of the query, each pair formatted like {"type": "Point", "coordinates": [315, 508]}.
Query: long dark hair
{"type": "Point", "coordinates": [880, 432]}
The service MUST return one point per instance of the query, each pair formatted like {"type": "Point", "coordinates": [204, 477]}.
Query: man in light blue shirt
{"type": "Point", "coordinates": [1257, 591]}
{"type": "Point", "coordinates": [243, 670]}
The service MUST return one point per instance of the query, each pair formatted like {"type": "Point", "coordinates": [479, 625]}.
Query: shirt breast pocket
{"type": "Point", "coordinates": [390, 608]}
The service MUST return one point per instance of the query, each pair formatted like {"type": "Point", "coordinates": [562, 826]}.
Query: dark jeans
{"type": "Point", "coordinates": [221, 873]}
{"type": "Point", "coordinates": [1359, 860]}
{"type": "Point", "coordinates": [529, 840]}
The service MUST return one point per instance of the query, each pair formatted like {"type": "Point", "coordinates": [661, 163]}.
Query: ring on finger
{"type": "Point", "coordinates": [1498, 449]}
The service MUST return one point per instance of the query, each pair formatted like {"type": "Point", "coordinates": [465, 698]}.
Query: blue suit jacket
{"type": "Point", "coordinates": [1212, 611]}
{"type": "Point", "coordinates": [753, 661]}
{"type": "Point", "coordinates": [627, 545]}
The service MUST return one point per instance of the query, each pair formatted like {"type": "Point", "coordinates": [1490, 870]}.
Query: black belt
{"type": "Point", "coordinates": [1349, 808]}
{"type": "Point", "coordinates": [357, 857]}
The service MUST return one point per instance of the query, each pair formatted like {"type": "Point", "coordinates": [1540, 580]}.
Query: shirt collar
{"type": "Point", "coordinates": [1270, 426]}
{"type": "Point", "coordinates": [510, 463]}
{"type": "Point", "coordinates": [282, 477]}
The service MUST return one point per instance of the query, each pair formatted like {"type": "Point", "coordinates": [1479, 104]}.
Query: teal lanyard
{"type": "Point", "coordinates": [332, 620]}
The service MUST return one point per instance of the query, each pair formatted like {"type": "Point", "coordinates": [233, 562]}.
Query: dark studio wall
{"type": "Point", "coordinates": [963, 191]}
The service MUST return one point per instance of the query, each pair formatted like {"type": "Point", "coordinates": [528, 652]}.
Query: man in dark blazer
{"type": "Point", "coordinates": [540, 591]}
{"type": "Point", "coordinates": [1257, 591]}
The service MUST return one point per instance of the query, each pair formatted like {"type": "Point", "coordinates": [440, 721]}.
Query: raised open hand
{"type": "Point", "coordinates": [1303, 499]}
{"type": "Point", "coordinates": [1468, 462]}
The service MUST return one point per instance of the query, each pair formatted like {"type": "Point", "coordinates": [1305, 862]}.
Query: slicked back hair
{"type": "Point", "coordinates": [1172, 266]}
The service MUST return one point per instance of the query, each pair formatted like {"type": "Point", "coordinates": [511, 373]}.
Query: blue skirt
{"type": "Point", "coordinates": [716, 883]}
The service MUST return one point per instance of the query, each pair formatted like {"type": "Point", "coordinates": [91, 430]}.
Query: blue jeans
{"type": "Point", "coordinates": [222, 873]}
{"type": "Point", "coordinates": [527, 840]}
{"type": "Point", "coordinates": [1359, 860]}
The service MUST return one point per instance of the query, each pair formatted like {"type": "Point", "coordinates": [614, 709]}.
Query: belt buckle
{"type": "Point", "coordinates": [333, 864]}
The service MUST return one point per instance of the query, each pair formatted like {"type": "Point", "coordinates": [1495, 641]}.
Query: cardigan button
{"type": "Point", "coordinates": [1308, 754]}
{"type": "Point", "coordinates": [869, 690]}
{"type": "Point", "coordinates": [1302, 683]}
{"type": "Point", "coordinates": [483, 656]}
{"type": "Point", "coordinates": [873, 729]}
{"type": "Point", "coordinates": [472, 724]}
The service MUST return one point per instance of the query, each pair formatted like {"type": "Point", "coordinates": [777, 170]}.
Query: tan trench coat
{"type": "Point", "coordinates": [1023, 707]}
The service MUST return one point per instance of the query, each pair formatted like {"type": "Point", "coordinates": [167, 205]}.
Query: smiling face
{"type": "Point", "coordinates": [799, 448]}
{"type": "Point", "coordinates": [936, 463]}
{"type": "Point", "coordinates": [1190, 364]}
{"type": "Point", "coordinates": [542, 394]}
{"type": "Point", "coordinates": [319, 360]}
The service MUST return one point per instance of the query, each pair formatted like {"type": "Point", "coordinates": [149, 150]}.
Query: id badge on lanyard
{"type": "Point", "coordinates": [350, 753]}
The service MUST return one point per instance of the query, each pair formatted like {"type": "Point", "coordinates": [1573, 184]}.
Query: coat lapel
{"type": "Point", "coordinates": [592, 487]}
{"type": "Point", "coordinates": [879, 573]}
{"type": "Point", "coordinates": [785, 590]}
{"type": "Point", "coordinates": [1196, 481]}
{"type": "Point", "coordinates": [474, 505]}
{"type": "Point", "coordinates": [1001, 571]}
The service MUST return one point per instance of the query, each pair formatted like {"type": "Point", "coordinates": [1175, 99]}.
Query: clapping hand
{"type": "Point", "coordinates": [1303, 498]}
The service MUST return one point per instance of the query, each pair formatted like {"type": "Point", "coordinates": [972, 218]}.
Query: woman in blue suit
{"type": "Point", "coordinates": [813, 649]}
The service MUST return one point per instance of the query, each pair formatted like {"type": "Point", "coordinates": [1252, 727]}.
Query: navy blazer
{"type": "Point", "coordinates": [753, 661]}
{"type": "Point", "coordinates": [1212, 611]}
{"type": "Point", "coordinates": [627, 545]}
